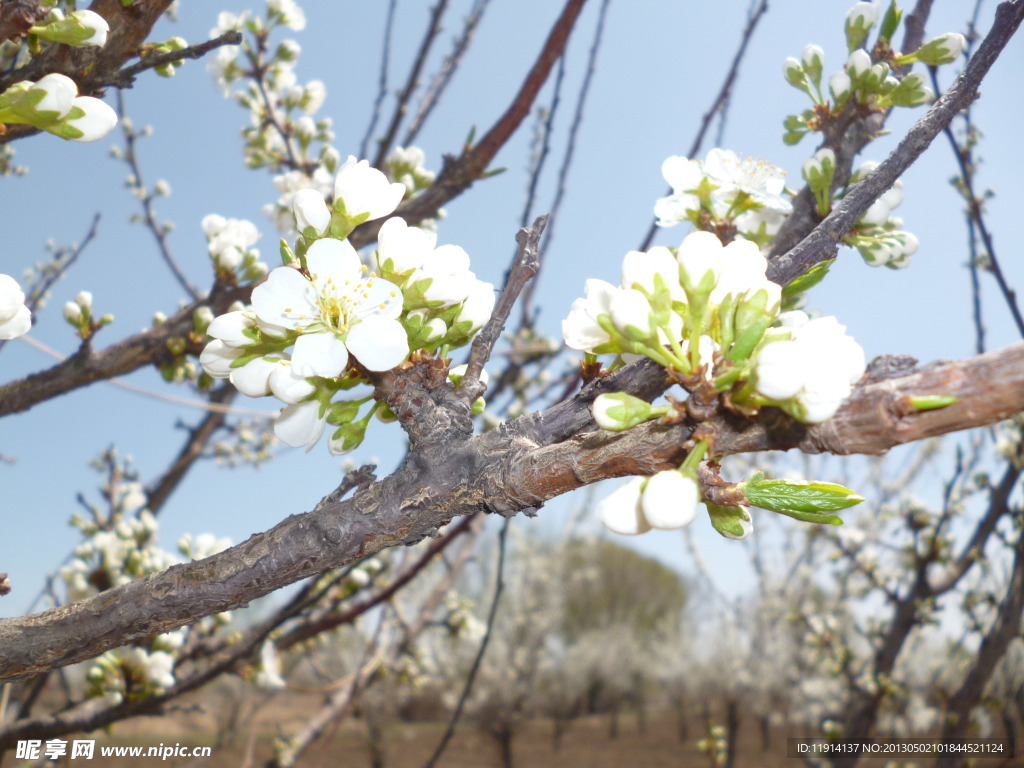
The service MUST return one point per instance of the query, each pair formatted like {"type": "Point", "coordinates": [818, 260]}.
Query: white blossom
{"type": "Point", "coordinates": [815, 374]}
{"type": "Point", "coordinates": [365, 190]}
{"type": "Point", "coordinates": [336, 310]}
{"type": "Point", "coordinates": [580, 329]}
{"type": "Point", "coordinates": [15, 318]}
{"type": "Point", "coordinates": [311, 210]}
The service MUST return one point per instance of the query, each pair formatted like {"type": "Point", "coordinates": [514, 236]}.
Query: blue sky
{"type": "Point", "coordinates": [660, 66]}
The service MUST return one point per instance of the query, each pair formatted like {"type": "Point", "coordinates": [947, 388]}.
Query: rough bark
{"type": "Point", "coordinates": [514, 468]}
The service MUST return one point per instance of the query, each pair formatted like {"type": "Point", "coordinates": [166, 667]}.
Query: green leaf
{"type": "Point", "coordinates": [931, 402]}
{"type": "Point", "coordinates": [794, 497]}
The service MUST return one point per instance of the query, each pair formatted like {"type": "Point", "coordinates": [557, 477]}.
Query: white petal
{"type": "Point", "coordinates": [253, 378]}
{"type": "Point", "coordinates": [310, 210]}
{"type": "Point", "coordinates": [621, 513]}
{"type": "Point", "coordinates": [229, 328]}
{"type": "Point", "coordinates": [18, 325]}
{"type": "Point", "coordinates": [300, 425]}
{"type": "Point", "coordinates": [319, 354]}
{"type": "Point", "coordinates": [287, 298]}
{"type": "Point", "coordinates": [217, 357]}
{"type": "Point", "coordinates": [406, 247]}
{"type": "Point", "coordinates": [379, 344]}
{"type": "Point", "coordinates": [333, 260]}
{"type": "Point", "coordinates": [11, 297]}
{"type": "Point", "coordinates": [287, 387]}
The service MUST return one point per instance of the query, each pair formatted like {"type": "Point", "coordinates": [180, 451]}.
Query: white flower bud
{"type": "Point", "coordinates": [99, 119]}
{"type": "Point", "coordinates": [73, 313]}
{"type": "Point", "coordinates": [311, 210]}
{"type": "Point", "coordinates": [621, 513]}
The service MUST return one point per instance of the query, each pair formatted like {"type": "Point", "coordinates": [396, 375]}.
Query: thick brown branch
{"type": "Point", "coordinates": [85, 366]}
{"type": "Point", "coordinates": [507, 470]}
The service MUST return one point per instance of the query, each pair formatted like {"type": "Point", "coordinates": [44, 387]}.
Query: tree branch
{"type": "Point", "coordinates": [513, 468]}
{"type": "Point", "coordinates": [821, 244]}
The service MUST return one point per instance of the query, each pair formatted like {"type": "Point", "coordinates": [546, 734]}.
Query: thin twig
{"type": "Point", "coordinates": [444, 76]}
{"type": "Point", "coordinates": [499, 586]}
{"type": "Point", "coordinates": [570, 150]}
{"type": "Point", "coordinates": [198, 436]}
{"type": "Point", "coordinates": [125, 78]}
{"type": "Point", "coordinates": [524, 267]}
{"type": "Point", "coordinates": [976, 222]}
{"type": "Point", "coordinates": [334, 620]}
{"type": "Point", "coordinates": [821, 244]}
{"type": "Point", "coordinates": [146, 200]}
{"type": "Point", "coordinates": [61, 263]}
{"type": "Point", "coordinates": [719, 102]}
{"type": "Point", "coordinates": [382, 81]}
{"type": "Point", "coordinates": [402, 106]}
{"type": "Point", "coordinates": [545, 130]}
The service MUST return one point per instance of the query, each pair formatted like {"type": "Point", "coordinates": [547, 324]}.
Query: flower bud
{"type": "Point", "coordinates": [620, 411]}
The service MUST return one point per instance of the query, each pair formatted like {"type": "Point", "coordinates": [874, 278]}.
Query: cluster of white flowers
{"type": "Point", "coordinates": [342, 317]}
{"type": "Point", "coordinates": [280, 107]}
{"type": "Point", "coordinates": [808, 367]}
{"type": "Point", "coordinates": [291, 183]}
{"type": "Point", "coordinates": [15, 318]}
{"type": "Point", "coordinates": [869, 83]}
{"type": "Point", "coordinates": [406, 166]}
{"type": "Point", "coordinates": [749, 193]}
{"type": "Point", "coordinates": [879, 236]}
{"type": "Point", "coordinates": [678, 306]}
{"type": "Point", "coordinates": [230, 242]}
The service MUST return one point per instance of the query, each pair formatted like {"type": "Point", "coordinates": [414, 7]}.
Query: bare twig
{"type": "Point", "coordinates": [821, 244]}
{"type": "Point", "coordinates": [444, 76]}
{"type": "Point", "coordinates": [334, 620]}
{"type": "Point", "coordinates": [523, 268]}
{"type": "Point", "coordinates": [125, 78]}
{"type": "Point", "coordinates": [146, 200]}
{"type": "Point", "coordinates": [720, 99]}
{"type": "Point", "coordinates": [412, 82]}
{"type": "Point", "coordinates": [382, 82]}
{"type": "Point", "coordinates": [976, 223]}
{"type": "Point", "coordinates": [499, 586]}
{"type": "Point", "coordinates": [570, 150]}
{"type": "Point", "coordinates": [198, 436]}
{"type": "Point", "coordinates": [64, 259]}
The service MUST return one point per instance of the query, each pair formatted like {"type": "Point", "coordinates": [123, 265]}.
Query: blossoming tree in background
{"type": "Point", "coordinates": [702, 351]}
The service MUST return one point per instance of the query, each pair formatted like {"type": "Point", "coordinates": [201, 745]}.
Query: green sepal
{"type": "Point", "coordinates": [890, 22]}
{"type": "Point", "coordinates": [343, 411]}
{"type": "Point", "coordinates": [351, 435]}
{"type": "Point", "coordinates": [729, 521]}
{"type": "Point", "coordinates": [287, 254]}
{"type": "Point", "coordinates": [793, 497]}
{"type": "Point", "coordinates": [807, 280]}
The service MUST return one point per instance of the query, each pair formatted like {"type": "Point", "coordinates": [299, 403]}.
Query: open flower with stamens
{"type": "Point", "coordinates": [337, 309]}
